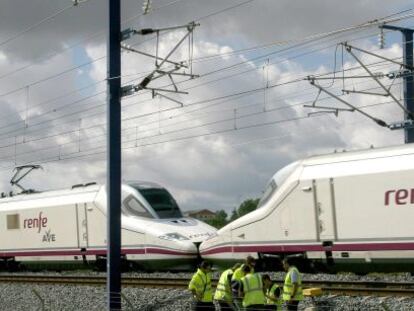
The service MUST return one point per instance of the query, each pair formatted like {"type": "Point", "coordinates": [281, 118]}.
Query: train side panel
{"type": "Point", "coordinates": [37, 232]}
{"type": "Point", "coordinates": [96, 228]}
{"type": "Point", "coordinates": [367, 199]}
{"type": "Point", "coordinates": [365, 212]}
{"type": "Point", "coordinates": [377, 209]}
{"type": "Point", "coordinates": [295, 216]}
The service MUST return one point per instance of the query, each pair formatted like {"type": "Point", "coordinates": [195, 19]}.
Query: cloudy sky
{"type": "Point", "coordinates": [243, 117]}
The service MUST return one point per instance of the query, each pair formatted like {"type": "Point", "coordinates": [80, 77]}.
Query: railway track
{"type": "Point", "coordinates": [340, 288]}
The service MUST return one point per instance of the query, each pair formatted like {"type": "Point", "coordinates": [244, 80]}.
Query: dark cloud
{"type": "Point", "coordinates": [260, 21]}
{"type": "Point", "coordinates": [215, 171]}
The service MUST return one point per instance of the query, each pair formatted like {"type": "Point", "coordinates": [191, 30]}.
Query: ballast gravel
{"type": "Point", "coordinates": [16, 297]}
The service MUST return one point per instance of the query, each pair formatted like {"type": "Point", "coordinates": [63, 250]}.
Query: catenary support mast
{"type": "Point", "coordinates": [114, 157]}
{"type": "Point", "coordinates": [408, 78]}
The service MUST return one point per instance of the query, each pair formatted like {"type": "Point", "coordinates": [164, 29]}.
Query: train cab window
{"type": "Point", "coordinates": [276, 181]}
{"type": "Point", "coordinates": [133, 207]}
{"type": "Point", "coordinates": [285, 172]}
{"type": "Point", "coordinates": [162, 202]}
{"type": "Point", "coordinates": [271, 188]}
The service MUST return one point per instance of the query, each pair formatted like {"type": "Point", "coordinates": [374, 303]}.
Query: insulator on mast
{"type": "Point", "coordinates": [146, 6]}
{"type": "Point", "coordinates": [381, 39]}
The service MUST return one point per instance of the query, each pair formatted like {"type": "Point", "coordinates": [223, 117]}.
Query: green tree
{"type": "Point", "coordinates": [248, 206]}
{"type": "Point", "coordinates": [234, 215]}
{"type": "Point", "coordinates": [245, 207]}
{"type": "Point", "coordinates": [219, 221]}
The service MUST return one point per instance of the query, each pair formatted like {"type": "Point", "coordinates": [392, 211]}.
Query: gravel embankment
{"type": "Point", "coordinates": [14, 297]}
{"type": "Point", "coordinates": [71, 298]}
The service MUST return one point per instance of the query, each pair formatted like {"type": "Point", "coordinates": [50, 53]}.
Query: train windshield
{"type": "Point", "coordinates": [271, 188]}
{"type": "Point", "coordinates": [276, 181]}
{"type": "Point", "coordinates": [133, 207]}
{"type": "Point", "coordinates": [162, 202]}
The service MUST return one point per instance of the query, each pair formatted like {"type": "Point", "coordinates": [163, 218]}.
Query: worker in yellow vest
{"type": "Point", "coordinates": [292, 288]}
{"type": "Point", "coordinates": [273, 294]}
{"type": "Point", "coordinates": [252, 291]}
{"type": "Point", "coordinates": [223, 294]}
{"type": "Point", "coordinates": [200, 287]}
{"type": "Point", "coordinates": [238, 274]}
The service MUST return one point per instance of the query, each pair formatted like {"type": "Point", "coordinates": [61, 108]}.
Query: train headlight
{"type": "Point", "coordinates": [173, 237]}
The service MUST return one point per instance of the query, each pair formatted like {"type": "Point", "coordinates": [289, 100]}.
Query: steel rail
{"type": "Point", "coordinates": [342, 288]}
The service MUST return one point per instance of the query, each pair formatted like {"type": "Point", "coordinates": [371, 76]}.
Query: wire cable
{"type": "Point", "coordinates": [44, 20]}
{"type": "Point", "coordinates": [202, 125]}
{"type": "Point", "coordinates": [237, 95]}
{"type": "Point", "coordinates": [77, 155]}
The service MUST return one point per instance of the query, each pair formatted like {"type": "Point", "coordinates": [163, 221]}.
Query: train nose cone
{"type": "Point", "coordinates": [189, 248]}
{"type": "Point", "coordinates": [205, 246]}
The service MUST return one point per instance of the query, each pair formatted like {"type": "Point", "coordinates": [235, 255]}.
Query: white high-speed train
{"type": "Point", "coordinates": [69, 226]}
{"type": "Point", "coordinates": [349, 211]}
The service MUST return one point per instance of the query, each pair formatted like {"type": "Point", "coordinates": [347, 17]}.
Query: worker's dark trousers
{"type": "Point", "coordinates": [238, 304]}
{"type": "Point", "coordinates": [204, 306]}
{"type": "Point", "coordinates": [224, 306]}
{"type": "Point", "coordinates": [256, 307]}
{"type": "Point", "coordinates": [292, 305]}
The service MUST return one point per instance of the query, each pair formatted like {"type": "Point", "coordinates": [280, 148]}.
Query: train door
{"type": "Point", "coordinates": [96, 226]}
{"type": "Point", "coordinates": [82, 223]}
{"type": "Point", "coordinates": [324, 198]}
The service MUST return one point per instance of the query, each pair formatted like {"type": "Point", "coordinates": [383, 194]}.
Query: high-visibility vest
{"type": "Point", "coordinates": [238, 273]}
{"type": "Point", "coordinates": [270, 293]}
{"type": "Point", "coordinates": [201, 283]}
{"type": "Point", "coordinates": [253, 290]}
{"type": "Point", "coordinates": [288, 286]}
{"type": "Point", "coordinates": [223, 290]}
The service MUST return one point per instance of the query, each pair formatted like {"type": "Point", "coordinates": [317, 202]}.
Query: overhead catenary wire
{"type": "Point", "coordinates": [214, 122]}
{"type": "Point", "coordinates": [82, 41]}
{"type": "Point", "coordinates": [53, 135]}
{"type": "Point", "coordinates": [209, 73]}
{"type": "Point", "coordinates": [104, 57]}
{"type": "Point", "coordinates": [311, 37]}
{"type": "Point", "coordinates": [77, 156]}
{"type": "Point", "coordinates": [148, 114]}
{"type": "Point", "coordinates": [152, 113]}
{"type": "Point", "coordinates": [154, 9]}
{"type": "Point", "coordinates": [44, 20]}
{"type": "Point", "coordinates": [174, 108]}
{"type": "Point", "coordinates": [77, 67]}
{"type": "Point", "coordinates": [179, 130]}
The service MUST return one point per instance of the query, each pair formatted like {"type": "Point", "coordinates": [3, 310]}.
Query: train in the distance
{"type": "Point", "coordinates": [68, 227]}
{"type": "Point", "coordinates": [348, 211]}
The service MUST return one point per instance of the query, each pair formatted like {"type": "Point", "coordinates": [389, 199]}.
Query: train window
{"type": "Point", "coordinates": [271, 188]}
{"type": "Point", "coordinates": [284, 173]}
{"type": "Point", "coordinates": [135, 208]}
{"type": "Point", "coordinates": [162, 202]}
{"type": "Point", "coordinates": [13, 221]}
{"type": "Point", "coordinates": [276, 181]}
